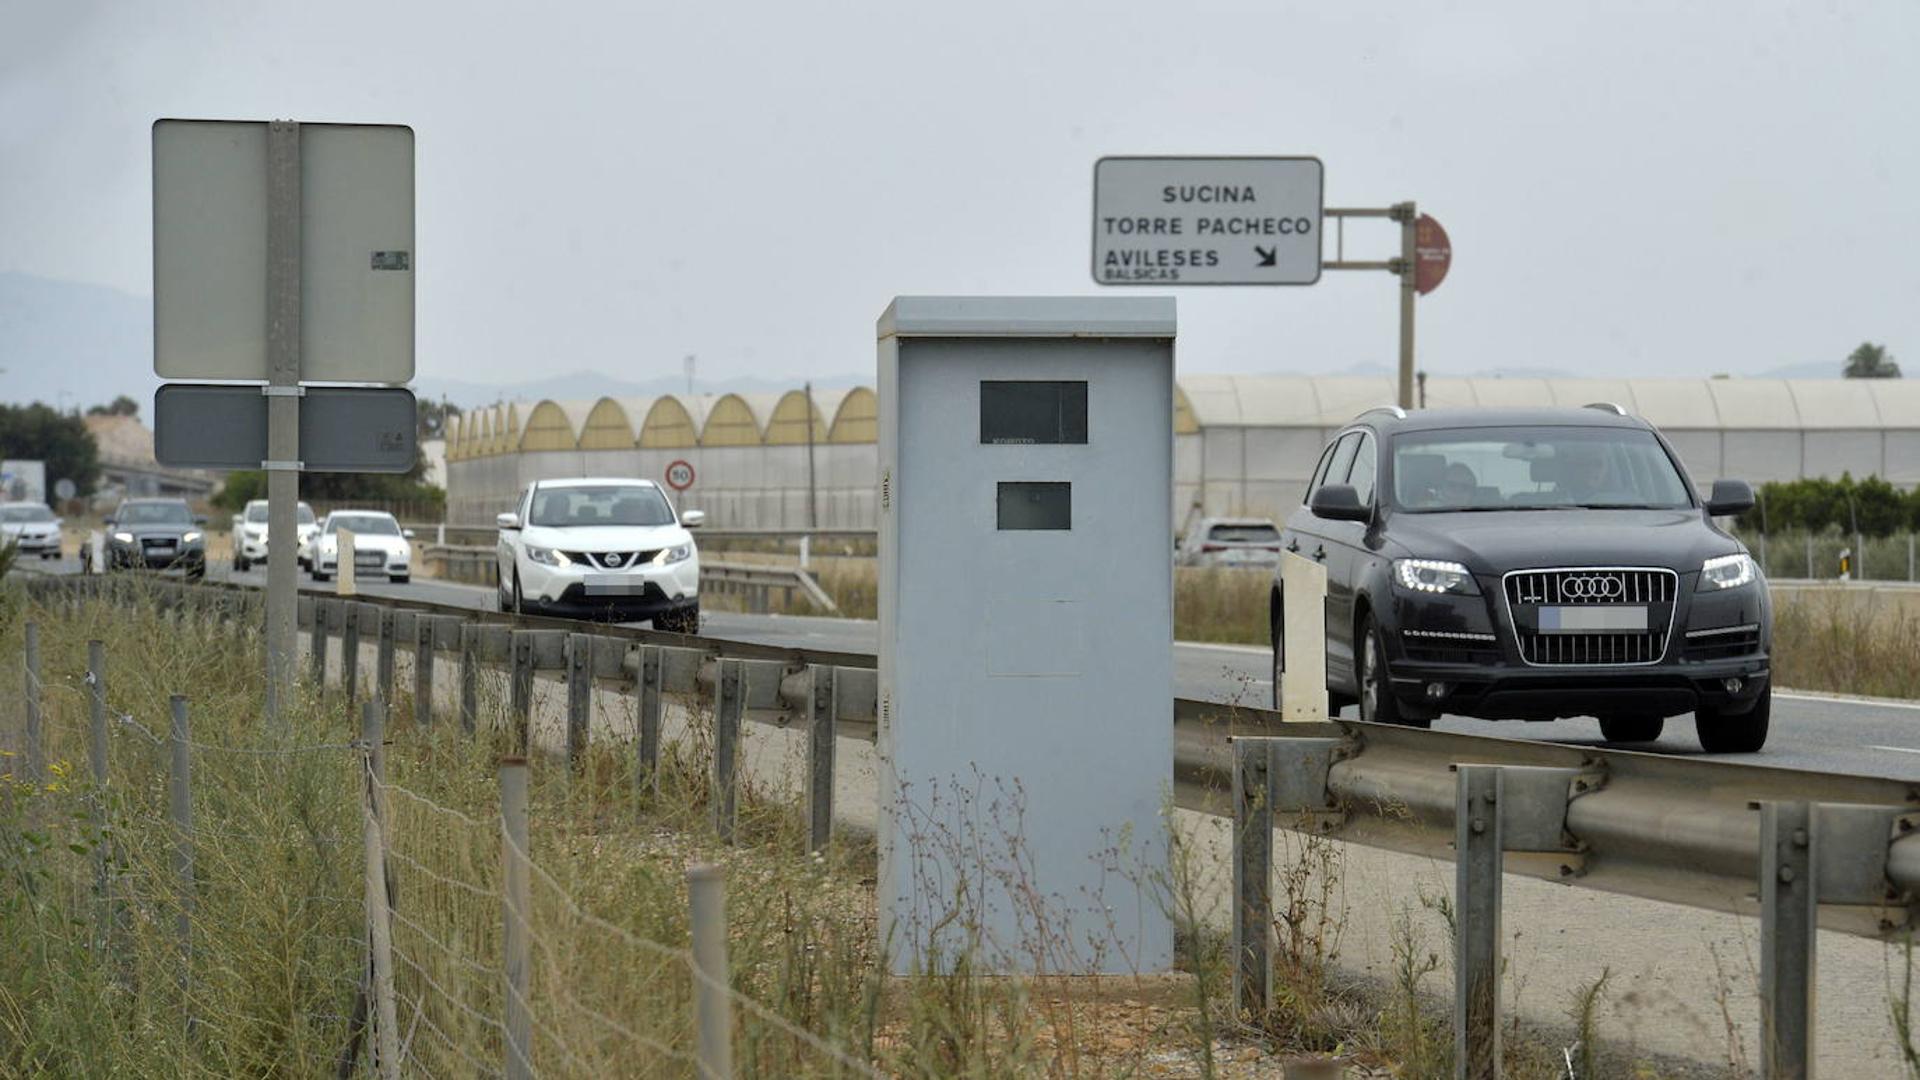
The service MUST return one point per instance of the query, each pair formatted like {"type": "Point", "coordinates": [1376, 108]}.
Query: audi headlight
{"type": "Point", "coordinates": [548, 556]}
{"type": "Point", "coordinates": [190, 538]}
{"type": "Point", "coordinates": [123, 537]}
{"type": "Point", "coordinates": [1434, 576]}
{"type": "Point", "coordinates": [1727, 572]}
{"type": "Point", "coordinates": [674, 554]}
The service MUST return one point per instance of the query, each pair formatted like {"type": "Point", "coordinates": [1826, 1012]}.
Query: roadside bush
{"type": "Point", "coordinates": [1815, 505]}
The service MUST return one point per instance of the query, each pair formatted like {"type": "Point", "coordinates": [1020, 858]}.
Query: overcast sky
{"type": "Point", "coordinates": [1658, 188]}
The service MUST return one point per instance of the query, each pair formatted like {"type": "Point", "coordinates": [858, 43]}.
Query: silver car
{"type": "Point", "coordinates": [1230, 541]}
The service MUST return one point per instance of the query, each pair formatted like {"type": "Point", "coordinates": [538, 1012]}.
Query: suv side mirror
{"type": "Point", "coordinates": [199, 519]}
{"type": "Point", "coordinates": [1339, 502]}
{"type": "Point", "coordinates": [406, 534]}
{"type": "Point", "coordinates": [1730, 497]}
{"type": "Point", "coordinates": [693, 519]}
{"type": "Point", "coordinates": [109, 523]}
{"type": "Point", "coordinates": [507, 520]}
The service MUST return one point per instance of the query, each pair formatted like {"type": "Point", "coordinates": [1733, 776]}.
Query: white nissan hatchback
{"type": "Point", "coordinates": [601, 548]}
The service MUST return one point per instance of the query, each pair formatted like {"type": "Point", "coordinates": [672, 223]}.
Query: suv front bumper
{"type": "Point", "coordinates": [1479, 671]}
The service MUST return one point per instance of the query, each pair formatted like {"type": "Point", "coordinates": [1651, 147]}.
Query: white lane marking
{"type": "Point", "coordinates": [1836, 699]}
{"type": "Point", "coordinates": [1900, 749]}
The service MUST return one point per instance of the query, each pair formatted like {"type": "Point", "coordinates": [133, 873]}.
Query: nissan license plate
{"type": "Point", "coordinates": [1593, 618]}
{"type": "Point", "coordinates": [614, 585]}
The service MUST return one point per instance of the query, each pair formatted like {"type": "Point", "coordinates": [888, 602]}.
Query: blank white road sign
{"type": "Point", "coordinates": [1207, 221]}
{"type": "Point", "coordinates": [210, 251]}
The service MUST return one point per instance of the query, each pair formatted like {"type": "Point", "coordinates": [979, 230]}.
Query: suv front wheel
{"type": "Point", "coordinates": [1377, 703]}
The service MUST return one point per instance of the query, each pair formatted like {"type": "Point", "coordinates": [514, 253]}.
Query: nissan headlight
{"type": "Point", "coordinates": [1434, 576]}
{"type": "Point", "coordinates": [123, 537]}
{"type": "Point", "coordinates": [548, 556]}
{"type": "Point", "coordinates": [674, 554]}
{"type": "Point", "coordinates": [1727, 572]}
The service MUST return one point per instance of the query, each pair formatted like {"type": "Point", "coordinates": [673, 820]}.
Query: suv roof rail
{"type": "Point", "coordinates": [1606, 406]}
{"type": "Point", "coordinates": [1396, 411]}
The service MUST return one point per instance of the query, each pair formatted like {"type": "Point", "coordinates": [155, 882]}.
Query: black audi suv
{"type": "Point", "coordinates": [157, 534]}
{"type": "Point", "coordinates": [1532, 564]}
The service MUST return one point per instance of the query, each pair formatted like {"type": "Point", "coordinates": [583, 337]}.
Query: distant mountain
{"type": "Point", "coordinates": [1816, 370]}
{"type": "Point", "coordinates": [71, 344]}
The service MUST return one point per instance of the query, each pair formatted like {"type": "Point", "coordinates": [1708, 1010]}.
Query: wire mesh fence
{"type": "Point", "coordinates": [190, 890]}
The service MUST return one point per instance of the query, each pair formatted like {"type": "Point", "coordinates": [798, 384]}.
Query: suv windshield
{"type": "Point", "coordinates": [25, 513]}
{"type": "Point", "coordinates": [624, 504]}
{"type": "Point", "coordinates": [363, 524]}
{"type": "Point", "coordinates": [1525, 468]}
{"type": "Point", "coordinates": [154, 514]}
{"type": "Point", "coordinates": [257, 513]}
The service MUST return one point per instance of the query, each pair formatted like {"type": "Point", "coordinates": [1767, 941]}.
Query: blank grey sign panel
{"type": "Point", "coordinates": [1026, 504]}
{"type": "Point", "coordinates": [1027, 411]}
{"type": "Point", "coordinates": [342, 429]}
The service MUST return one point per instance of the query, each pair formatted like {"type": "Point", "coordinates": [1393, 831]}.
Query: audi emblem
{"type": "Point", "coordinates": [1592, 587]}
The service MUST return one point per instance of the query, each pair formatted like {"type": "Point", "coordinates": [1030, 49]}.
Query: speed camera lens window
{"type": "Point", "coordinates": [1035, 505]}
{"type": "Point", "coordinates": [1024, 412]}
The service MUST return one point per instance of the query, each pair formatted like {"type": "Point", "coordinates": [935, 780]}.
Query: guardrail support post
{"type": "Point", "coordinates": [522, 689]}
{"type": "Point", "coordinates": [516, 908]}
{"type": "Point", "coordinates": [317, 647]}
{"type": "Point", "coordinates": [469, 677]}
{"type": "Point", "coordinates": [180, 805]}
{"type": "Point", "coordinates": [729, 703]}
{"type": "Point", "coordinates": [36, 751]}
{"type": "Point", "coordinates": [1252, 939]}
{"type": "Point", "coordinates": [646, 765]}
{"type": "Point", "coordinates": [713, 1008]}
{"type": "Point", "coordinates": [350, 651]}
{"type": "Point", "coordinates": [1789, 911]}
{"type": "Point", "coordinates": [383, 666]}
{"type": "Point", "coordinates": [821, 712]}
{"type": "Point", "coordinates": [1476, 952]}
{"type": "Point", "coordinates": [579, 697]}
{"type": "Point", "coordinates": [425, 629]}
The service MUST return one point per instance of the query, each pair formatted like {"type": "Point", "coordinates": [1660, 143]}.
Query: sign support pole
{"type": "Point", "coordinates": [283, 405]}
{"type": "Point", "coordinates": [1407, 216]}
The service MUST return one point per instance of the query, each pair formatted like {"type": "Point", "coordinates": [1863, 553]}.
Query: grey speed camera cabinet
{"type": "Point", "coordinates": [1026, 625]}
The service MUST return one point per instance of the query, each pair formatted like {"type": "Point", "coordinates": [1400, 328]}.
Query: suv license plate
{"type": "Point", "coordinates": [613, 585]}
{"type": "Point", "coordinates": [1609, 618]}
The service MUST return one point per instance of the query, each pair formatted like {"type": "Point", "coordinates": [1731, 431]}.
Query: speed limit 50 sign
{"type": "Point", "coordinates": [680, 475]}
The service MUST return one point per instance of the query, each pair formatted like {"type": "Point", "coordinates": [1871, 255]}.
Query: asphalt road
{"type": "Point", "coordinates": [1810, 731]}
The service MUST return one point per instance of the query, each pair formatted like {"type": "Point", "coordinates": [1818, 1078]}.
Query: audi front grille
{"type": "Point", "coordinates": [1528, 592]}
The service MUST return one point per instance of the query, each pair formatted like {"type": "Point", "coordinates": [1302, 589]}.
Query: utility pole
{"type": "Point", "coordinates": [283, 404]}
{"type": "Point", "coordinates": [813, 502]}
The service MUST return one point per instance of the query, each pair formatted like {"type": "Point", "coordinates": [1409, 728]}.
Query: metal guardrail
{"type": "Point", "coordinates": [1666, 828]}
{"type": "Point", "coordinates": [756, 583]}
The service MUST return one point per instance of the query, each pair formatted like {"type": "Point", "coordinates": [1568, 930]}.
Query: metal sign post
{"type": "Point", "coordinates": [282, 463]}
{"type": "Point", "coordinates": [1425, 255]}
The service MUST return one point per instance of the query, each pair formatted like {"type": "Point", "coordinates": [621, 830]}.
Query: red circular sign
{"type": "Point", "coordinates": [680, 475]}
{"type": "Point", "coordinates": [1432, 254]}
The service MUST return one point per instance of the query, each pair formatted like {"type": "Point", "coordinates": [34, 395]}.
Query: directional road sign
{"type": "Point", "coordinates": [356, 258]}
{"type": "Point", "coordinates": [342, 428]}
{"type": "Point", "coordinates": [1207, 221]}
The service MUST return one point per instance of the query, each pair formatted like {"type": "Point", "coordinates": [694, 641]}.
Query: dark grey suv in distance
{"type": "Point", "coordinates": [1534, 564]}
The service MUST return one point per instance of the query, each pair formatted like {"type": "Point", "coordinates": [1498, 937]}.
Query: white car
{"type": "Point", "coordinates": [1230, 541]}
{"type": "Point", "coordinates": [606, 548]}
{"type": "Point", "coordinates": [380, 545]}
{"type": "Point", "coordinates": [250, 534]}
{"type": "Point", "coordinates": [32, 526]}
